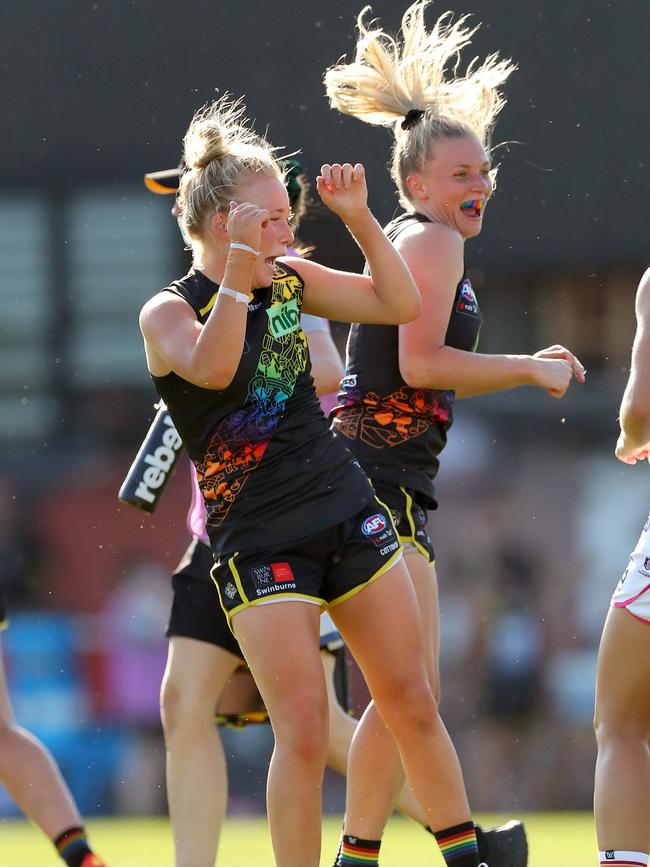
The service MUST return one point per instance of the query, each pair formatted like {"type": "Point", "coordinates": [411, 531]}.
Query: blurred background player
{"type": "Point", "coordinates": [32, 778]}
{"type": "Point", "coordinates": [396, 402]}
{"type": "Point", "coordinates": [622, 720]}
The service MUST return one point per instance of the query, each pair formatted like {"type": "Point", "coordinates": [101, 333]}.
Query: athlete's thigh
{"type": "Point", "coordinates": [623, 676]}
{"type": "Point", "coordinates": [197, 670]}
{"type": "Point", "coordinates": [381, 626]}
{"type": "Point", "coordinates": [423, 576]}
{"type": "Point", "coordinates": [280, 642]}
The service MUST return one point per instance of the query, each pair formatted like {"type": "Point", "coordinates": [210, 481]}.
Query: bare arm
{"type": "Point", "coordinates": [326, 364]}
{"type": "Point", "coordinates": [634, 442]}
{"type": "Point", "coordinates": [389, 294]}
{"type": "Point", "coordinates": [205, 355]}
{"type": "Point", "coordinates": [434, 254]}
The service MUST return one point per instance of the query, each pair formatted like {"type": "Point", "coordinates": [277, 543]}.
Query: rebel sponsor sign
{"type": "Point", "coordinates": [153, 464]}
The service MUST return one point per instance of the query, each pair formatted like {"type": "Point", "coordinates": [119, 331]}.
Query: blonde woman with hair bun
{"type": "Point", "coordinates": [396, 402]}
{"type": "Point", "coordinates": [292, 520]}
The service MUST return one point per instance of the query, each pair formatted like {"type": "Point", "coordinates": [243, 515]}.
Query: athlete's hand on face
{"type": "Point", "coordinates": [553, 375]}
{"type": "Point", "coordinates": [630, 454]}
{"type": "Point", "coordinates": [245, 223]}
{"type": "Point", "coordinates": [343, 189]}
{"type": "Point", "coordinates": [562, 352]}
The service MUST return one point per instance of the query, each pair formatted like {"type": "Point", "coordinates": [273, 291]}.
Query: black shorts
{"type": "Point", "coordinates": [196, 612]}
{"type": "Point", "coordinates": [409, 515]}
{"type": "Point", "coordinates": [324, 569]}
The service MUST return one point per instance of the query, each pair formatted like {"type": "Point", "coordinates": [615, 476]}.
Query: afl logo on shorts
{"type": "Point", "coordinates": [373, 525]}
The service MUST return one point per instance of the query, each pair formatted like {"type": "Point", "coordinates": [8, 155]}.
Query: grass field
{"type": "Point", "coordinates": [556, 840]}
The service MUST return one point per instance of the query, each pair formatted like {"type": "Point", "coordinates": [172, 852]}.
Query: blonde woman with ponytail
{"type": "Point", "coordinates": [292, 519]}
{"type": "Point", "coordinates": [396, 401]}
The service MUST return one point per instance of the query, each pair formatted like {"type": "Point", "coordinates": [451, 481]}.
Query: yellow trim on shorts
{"type": "Point", "coordinates": [396, 556]}
{"type": "Point", "coordinates": [409, 518]}
{"type": "Point", "coordinates": [4, 624]}
{"type": "Point", "coordinates": [288, 596]}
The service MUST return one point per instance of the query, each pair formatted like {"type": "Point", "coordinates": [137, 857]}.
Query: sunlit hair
{"type": "Point", "coordinates": [413, 84]}
{"type": "Point", "coordinates": [218, 149]}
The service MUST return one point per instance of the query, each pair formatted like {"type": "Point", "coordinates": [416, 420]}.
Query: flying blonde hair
{"type": "Point", "coordinates": [218, 148]}
{"type": "Point", "coordinates": [412, 83]}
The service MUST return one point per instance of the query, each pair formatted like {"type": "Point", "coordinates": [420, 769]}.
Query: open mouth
{"type": "Point", "coordinates": [473, 208]}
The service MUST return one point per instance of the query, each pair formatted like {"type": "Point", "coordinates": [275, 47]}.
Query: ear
{"type": "Point", "coordinates": [218, 225]}
{"type": "Point", "coordinates": [417, 188]}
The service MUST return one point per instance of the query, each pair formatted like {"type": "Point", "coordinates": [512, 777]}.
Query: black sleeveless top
{"type": "Point", "coordinates": [268, 466]}
{"type": "Point", "coordinates": [397, 432]}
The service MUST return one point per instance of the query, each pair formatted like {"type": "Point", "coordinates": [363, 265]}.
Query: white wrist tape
{"type": "Point", "coordinates": [235, 245]}
{"type": "Point", "coordinates": [238, 296]}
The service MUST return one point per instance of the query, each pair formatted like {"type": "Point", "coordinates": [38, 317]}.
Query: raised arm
{"type": "Point", "coordinates": [389, 294]}
{"type": "Point", "coordinates": [206, 355]}
{"type": "Point", "coordinates": [434, 254]}
{"type": "Point", "coordinates": [634, 441]}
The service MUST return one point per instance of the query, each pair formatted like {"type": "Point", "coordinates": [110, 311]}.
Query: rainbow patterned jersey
{"type": "Point", "coordinates": [397, 432]}
{"type": "Point", "coordinates": [269, 469]}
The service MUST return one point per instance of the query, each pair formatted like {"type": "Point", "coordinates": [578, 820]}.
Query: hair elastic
{"type": "Point", "coordinates": [412, 117]}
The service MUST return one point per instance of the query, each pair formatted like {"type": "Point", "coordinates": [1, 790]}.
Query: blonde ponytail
{"type": "Point", "coordinates": [413, 85]}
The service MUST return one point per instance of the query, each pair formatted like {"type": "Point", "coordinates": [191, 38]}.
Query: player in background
{"type": "Point", "coordinates": [32, 778]}
{"type": "Point", "coordinates": [396, 402]}
{"type": "Point", "coordinates": [622, 719]}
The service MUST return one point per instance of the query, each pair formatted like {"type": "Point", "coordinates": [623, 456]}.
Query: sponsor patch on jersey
{"type": "Point", "coordinates": [467, 302]}
{"type": "Point", "coordinates": [373, 525]}
{"type": "Point", "coordinates": [283, 318]}
{"type": "Point", "coordinates": [230, 590]}
{"type": "Point", "coordinates": [281, 573]}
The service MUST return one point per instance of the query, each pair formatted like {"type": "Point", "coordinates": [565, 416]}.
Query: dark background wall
{"type": "Point", "coordinates": [98, 91]}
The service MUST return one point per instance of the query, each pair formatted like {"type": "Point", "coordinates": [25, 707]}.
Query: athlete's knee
{"type": "Point", "coordinates": [182, 709]}
{"type": "Point", "coordinates": [410, 706]}
{"type": "Point", "coordinates": [303, 729]}
{"type": "Point", "coordinates": [613, 724]}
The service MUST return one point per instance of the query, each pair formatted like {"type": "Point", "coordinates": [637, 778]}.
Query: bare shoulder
{"type": "Point", "coordinates": [304, 267]}
{"type": "Point", "coordinates": [426, 241]}
{"type": "Point", "coordinates": [161, 307]}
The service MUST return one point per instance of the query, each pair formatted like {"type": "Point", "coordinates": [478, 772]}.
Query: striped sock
{"type": "Point", "coordinates": [354, 852]}
{"type": "Point", "coordinates": [458, 845]}
{"type": "Point", "coordinates": [622, 858]}
{"type": "Point", "coordinates": [72, 846]}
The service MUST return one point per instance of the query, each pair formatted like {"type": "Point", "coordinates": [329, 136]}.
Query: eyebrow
{"type": "Point", "coordinates": [467, 166]}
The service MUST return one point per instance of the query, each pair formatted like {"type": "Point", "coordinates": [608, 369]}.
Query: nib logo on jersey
{"type": "Point", "coordinates": [274, 578]}
{"type": "Point", "coordinates": [380, 532]}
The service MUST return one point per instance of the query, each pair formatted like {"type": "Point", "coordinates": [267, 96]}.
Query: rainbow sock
{"type": "Point", "coordinates": [458, 845]}
{"type": "Point", "coordinates": [354, 852]}
{"type": "Point", "coordinates": [622, 858]}
{"type": "Point", "coordinates": [72, 846]}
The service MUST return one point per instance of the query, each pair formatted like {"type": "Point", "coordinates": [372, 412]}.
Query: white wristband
{"type": "Point", "coordinates": [238, 296]}
{"type": "Point", "coordinates": [235, 245]}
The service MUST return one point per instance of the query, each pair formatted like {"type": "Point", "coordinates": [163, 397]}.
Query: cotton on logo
{"type": "Point", "coordinates": [373, 525]}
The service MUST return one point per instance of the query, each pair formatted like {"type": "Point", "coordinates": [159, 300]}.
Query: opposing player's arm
{"type": "Point", "coordinates": [634, 441]}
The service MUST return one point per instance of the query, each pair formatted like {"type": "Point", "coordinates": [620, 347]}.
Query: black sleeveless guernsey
{"type": "Point", "coordinates": [397, 432]}
{"type": "Point", "coordinates": [269, 468]}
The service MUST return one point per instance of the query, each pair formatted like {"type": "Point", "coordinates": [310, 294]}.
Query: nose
{"type": "Point", "coordinates": [288, 234]}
